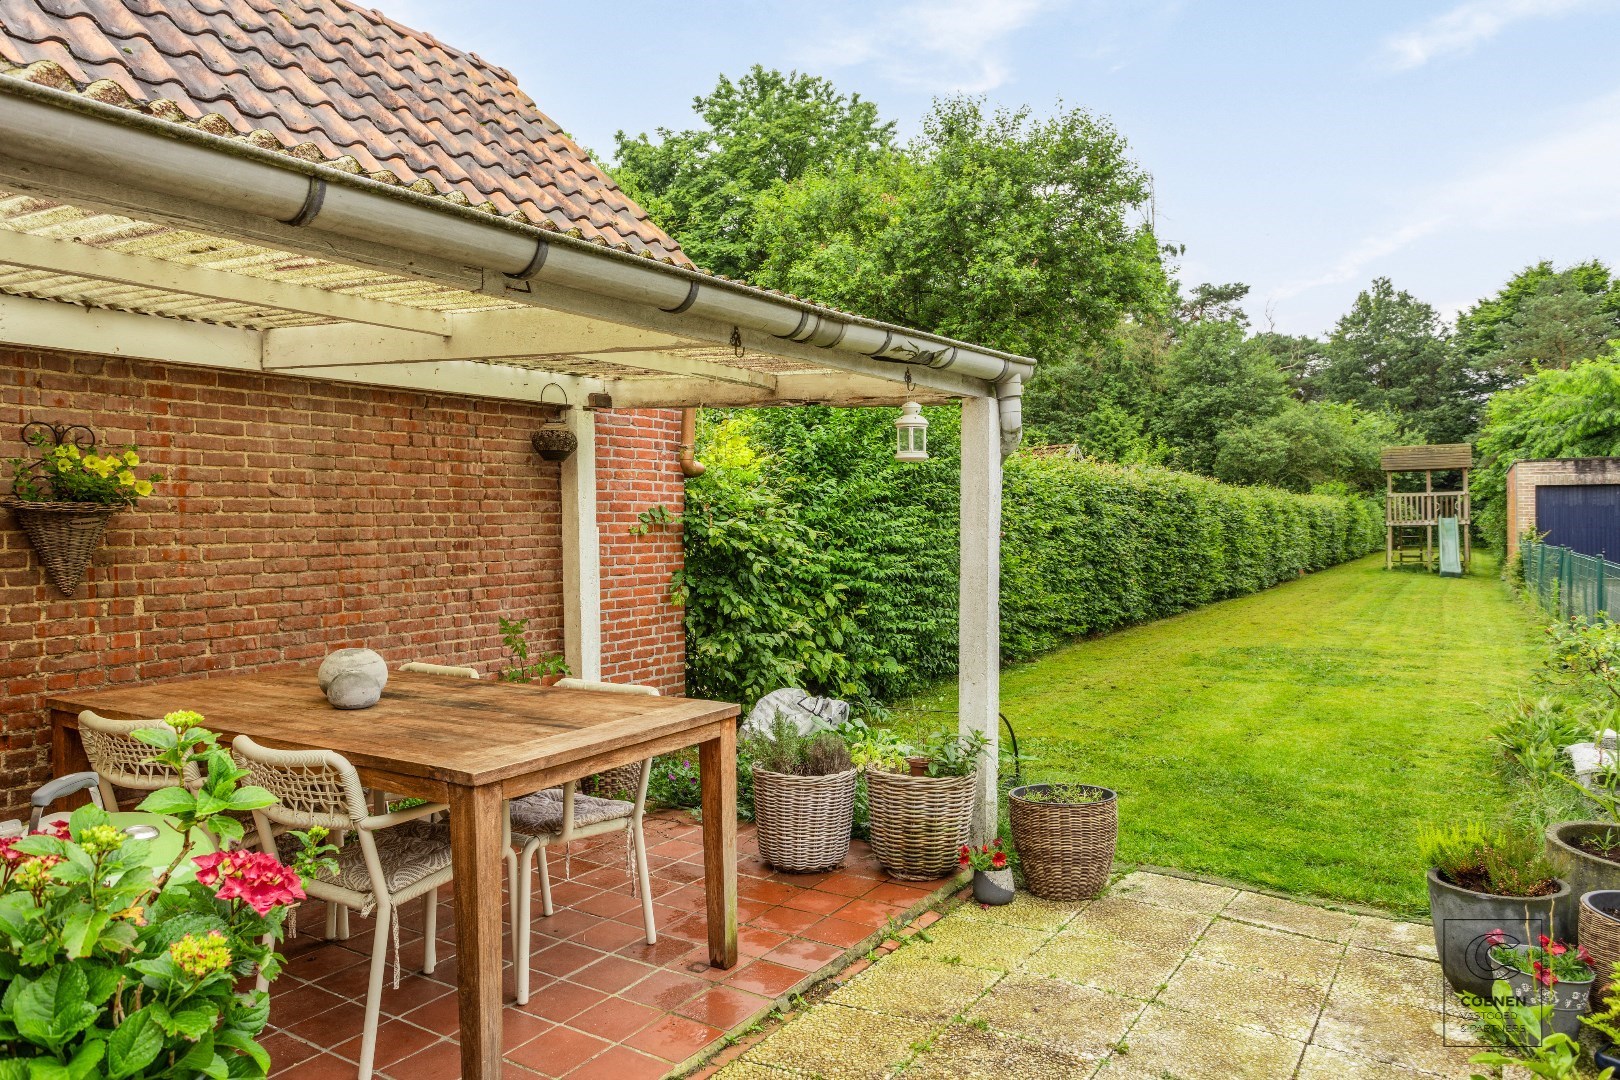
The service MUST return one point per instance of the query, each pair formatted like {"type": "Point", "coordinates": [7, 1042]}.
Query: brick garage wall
{"type": "Point", "coordinates": [1525, 476]}
{"type": "Point", "coordinates": [637, 466]}
{"type": "Point", "coordinates": [299, 517]}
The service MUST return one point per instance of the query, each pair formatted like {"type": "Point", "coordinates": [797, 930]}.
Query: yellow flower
{"type": "Point", "coordinates": [126, 478]}
{"type": "Point", "coordinates": [201, 955]}
{"type": "Point", "coordinates": [92, 462]}
{"type": "Point", "coordinates": [73, 452]}
{"type": "Point", "coordinates": [143, 488]}
{"type": "Point", "coordinates": [131, 458]}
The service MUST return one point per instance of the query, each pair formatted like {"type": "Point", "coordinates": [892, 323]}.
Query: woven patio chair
{"type": "Point", "coordinates": [123, 761]}
{"type": "Point", "coordinates": [562, 815]}
{"type": "Point", "coordinates": [395, 859]}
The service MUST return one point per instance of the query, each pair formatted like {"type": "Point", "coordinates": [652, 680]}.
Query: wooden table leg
{"type": "Point", "coordinates": [475, 841]}
{"type": "Point", "coordinates": [717, 763]}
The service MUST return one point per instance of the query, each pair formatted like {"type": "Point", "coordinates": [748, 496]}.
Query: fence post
{"type": "Point", "coordinates": [1563, 590]}
{"type": "Point", "coordinates": [1602, 586]}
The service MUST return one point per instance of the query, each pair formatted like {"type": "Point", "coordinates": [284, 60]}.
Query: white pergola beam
{"type": "Point", "coordinates": [466, 377]}
{"type": "Point", "coordinates": [101, 264]}
{"type": "Point", "coordinates": [49, 324]}
{"type": "Point", "coordinates": [791, 388]}
{"type": "Point", "coordinates": [979, 602]}
{"type": "Point", "coordinates": [472, 335]}
{"type": "Point", "coordinates": [690, 366]}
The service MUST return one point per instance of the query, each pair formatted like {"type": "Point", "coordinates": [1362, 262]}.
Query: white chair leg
{"type": "Point", "coordinates": [343, 924]}
{"type": "Point", "coordinates": [379, 964]}
{"type": "Point", "coordinates": [523, 922]}
{"type": "Point", "coordinates": [430, 926]}
{"type": "Point", "coordinates": [331, 920]}
{"type": "Point", "coordinates": [545, 885]}
{"type": "Point", "coordinates": [640, 839]}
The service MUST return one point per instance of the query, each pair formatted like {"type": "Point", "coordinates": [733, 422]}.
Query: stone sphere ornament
{"type": "Point", "coordinates": [353, 678]}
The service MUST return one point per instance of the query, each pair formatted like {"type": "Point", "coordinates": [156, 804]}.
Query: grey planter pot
{"type": "Point", "coordinates": [1463, 918]}
{"type": "Point", "coordinates": [993, 887]}
{"type": "Point", "coordinates": [1585, 873]}
{"type": "Point", "coordinates": [1569, 999]}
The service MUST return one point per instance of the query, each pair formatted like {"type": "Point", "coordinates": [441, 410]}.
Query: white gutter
{"type": "Point", "coordinates": [68, 131]}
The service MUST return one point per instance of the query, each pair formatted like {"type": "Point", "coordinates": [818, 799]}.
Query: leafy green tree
{"type": "Point", "coordinates": [1556, 413]}
{"type": "Point", "coordinates": [1391, 353]}
{"type": "Point", "coordinates": [998, 228]}
{"type": "Point", "coordinates": [1214, 302]}
{"type": "Point", "coordinates": [1484, 330]}
{"type": "Point", "coordinates": [766, 128]}
{"type": "Point", "coordinates": [1308, 445]}
{"type": "Point", "coordinates": [1216, 379]}
{"type": "Point", "coordinates": [1101, 398]}
{"type": "Point", "coordinates": [1299, 357]}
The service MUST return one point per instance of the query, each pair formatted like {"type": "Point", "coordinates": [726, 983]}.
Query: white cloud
{"type": "Point", "coordinates": [1467, 25]}
{"type": "Point", "coordinates": [937, 45]}
{"type": "Point", "coordinates": [1556, 180]}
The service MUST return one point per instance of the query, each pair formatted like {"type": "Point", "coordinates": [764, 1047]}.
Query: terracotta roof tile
{"type": "Point", "coordinates": [328, 81]}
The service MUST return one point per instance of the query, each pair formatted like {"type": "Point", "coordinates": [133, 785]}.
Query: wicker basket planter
{"type": "Point", "coordinates": [65, 535]}
{"type": "Point", "coordinates": [1600, 936]}
{"type": "Point", "coordinates": [803, 822]}
{"type": "Point", "coordinates": [919, 823]}
{"type": "Point", "coordinates": [621, 783]}
{"type": "Point", "coordinates": [1066, 849]}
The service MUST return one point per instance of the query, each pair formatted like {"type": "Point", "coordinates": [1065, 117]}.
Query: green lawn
{"type": "Point", "coordinates": [1296, 739]}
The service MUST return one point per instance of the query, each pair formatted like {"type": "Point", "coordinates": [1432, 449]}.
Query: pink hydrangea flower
{"type": "Point", "coordinates": [255, 877]}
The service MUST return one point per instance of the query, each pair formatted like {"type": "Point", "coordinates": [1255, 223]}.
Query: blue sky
{"type": "Point", "coordinates": [1303, 148]}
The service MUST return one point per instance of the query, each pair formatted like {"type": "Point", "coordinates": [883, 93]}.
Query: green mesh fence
{"type": "Point", "coordinates": [1567, 583]}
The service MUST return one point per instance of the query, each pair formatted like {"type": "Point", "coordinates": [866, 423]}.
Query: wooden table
{"type": "Point", "coordinates": [472, 743]}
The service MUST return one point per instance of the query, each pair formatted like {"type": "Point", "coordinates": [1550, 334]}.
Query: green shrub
{"type": "Point", "coordinates": [1504, 862]}
{"type": "Point", "coordinates": [813, 559]}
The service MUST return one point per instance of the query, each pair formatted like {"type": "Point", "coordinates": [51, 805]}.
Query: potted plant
{"type": "Point", "coordinates": [1526, 1030]}
{"type": "Point", "coordinates": [920, 822]}
{"type": "Point", "coordinates": [1548, 973]}
{"type": "Point", "coordinates": [992, 877]}
{"type": "Point", "coordinates": [1586, 854]}
{"type": "Point", "coordinates": [113, 966]}
{"type": "Point", "coordinates": [65, 498]}
{"type": "Point", "coordinates": [804, 796]}
{"type": "Point", "coordinates": [1065, 835]}
{"type": "Point", "coordinates": [1482, 881]}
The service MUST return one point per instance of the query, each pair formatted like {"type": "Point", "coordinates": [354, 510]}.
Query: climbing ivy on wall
{"type": "Point", "coordinates": [814, 559]}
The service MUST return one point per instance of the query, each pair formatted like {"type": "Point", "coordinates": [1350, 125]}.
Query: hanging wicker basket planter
{"type": "Point", "coordinates": [1066, 849]}
{"type": "Point", "coordinates": [65, 535]}
{"type": "Point", "coordinates": [803, 822]}
{"type": "Point", "coordinates": [919, 823]}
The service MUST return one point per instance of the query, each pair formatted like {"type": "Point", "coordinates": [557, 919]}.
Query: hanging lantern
{"type": "Point", "coordinates": [911, 434]}
{"type": "Point", "coordinates": [554, 442]}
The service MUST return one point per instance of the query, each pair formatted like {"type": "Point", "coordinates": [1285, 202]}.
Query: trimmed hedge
{"type": "Point", "coordinates": [814, 559]}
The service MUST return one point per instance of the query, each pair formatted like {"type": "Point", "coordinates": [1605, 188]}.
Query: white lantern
{"type": "Point", "coordinates": [911, 434]}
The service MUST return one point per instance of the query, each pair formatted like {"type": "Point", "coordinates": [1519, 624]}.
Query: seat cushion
{"type": "Point", "coordinates": [408, 853]}
{"type": "Point", "coordinates": [540, 816]}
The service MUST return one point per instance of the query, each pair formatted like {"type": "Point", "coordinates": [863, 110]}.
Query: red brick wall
{"type": "Point", "coordinates": [637, 466]}
{"type": "Point", "coordinates": [301, 516]}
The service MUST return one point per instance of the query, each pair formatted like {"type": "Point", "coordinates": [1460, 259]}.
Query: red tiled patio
{"type": "Point", "coordinates": [604, 1003]}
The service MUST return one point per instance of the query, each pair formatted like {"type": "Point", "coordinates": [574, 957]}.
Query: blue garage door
{"type": "Point", "coordinates": [1583, 518]}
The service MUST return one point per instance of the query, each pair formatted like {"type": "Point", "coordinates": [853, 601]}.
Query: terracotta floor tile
{"type": "Point", "coordinates": [816, 901]}
{"type": "Point", "coordinates": [562, 1001]}
{"type": "Point", "coordinates": [754, 941]}
{"type": "Point", "coordinates": [868, 912]}
{"type": "Point", "coordinates": [413, 993]}
{"type": "Point", "coordinates": [836, 931]}
{"type": "Point", "coordinates": [696, 962]}
{"type": "Point", "coordinates": [441, 1014]}
{"type": "Point", "coordinates": [724, 1007]}
{"type": "Point", "coordinates": [666, 952]}
{"type": "Point", "coordinates": [619, 1063]}
{"type": "Point", "coordinates": [560, 1052]}
{"type": "Point", "coordinates": [286, 1051]}
{"type": "Point", "coordinates": [564, 958]}
{"type": "Point", "coordinates": [679, 849]}
{"type": "Point", "coordinates": [518, 1027]}
{"type": "Point", "coordinates": [804, 955]}
{"type": "Point", "coordinates": [396, 1039]}
{"type": "Point", "coordinates": [610, 936]}
{"type": "Point", "coordinates": [611, 974]}
{"type": "Point", "coordinates": [674, 1038]}
{"type": "Point", "coordinates": [317, 963]}
{"type": "Point", "coordinates": [301, 1003]}
{"type": "Point", "coordinates": [786, 920]}
{"type": "Point", "coordinates": [614, 1019]}
{"type": "Point", "coordinates": [769, 892]}
{"type": "Point", "coordinates": [683, 872]}
{"type": "Point", "coordinates": [893, 892]}
{"type": "Point", "coordinates": [322, 1067]}
{"type": "Point", "coordinates": [336, 1025]}
{"type": "Point", "coordinates": [665, 989]}
{"type": "Point", "coordinates": [441, 1061]}
{"type": "Point", "coordinates": [564, 922]}
{"type": "Point", "coordinates": [765, 978]}
{"type": "Point", "coordinates": [847, 884]}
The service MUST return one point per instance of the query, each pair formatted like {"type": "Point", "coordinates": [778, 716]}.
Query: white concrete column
{"type": "Point", "coordinates": [979, 603]}
{"type": "Point", "coordinates": [581, 553]}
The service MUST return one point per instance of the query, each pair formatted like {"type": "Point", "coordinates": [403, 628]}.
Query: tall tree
{"type": "Point", "coordinates": [1306, 445]}
{"type": "Point", "coordinates": [1101, 397]}
{"type": "Point", "coordinates": [1216, 380]}
{"type": "Point", "coordinates": [764, 129]}
{"type": "Point", "coordinates": [1391, 353]}
{"type": "Point", "coordinates": [1484, 329]}
{"type": "Point", "coordinates": [1019, 233]}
